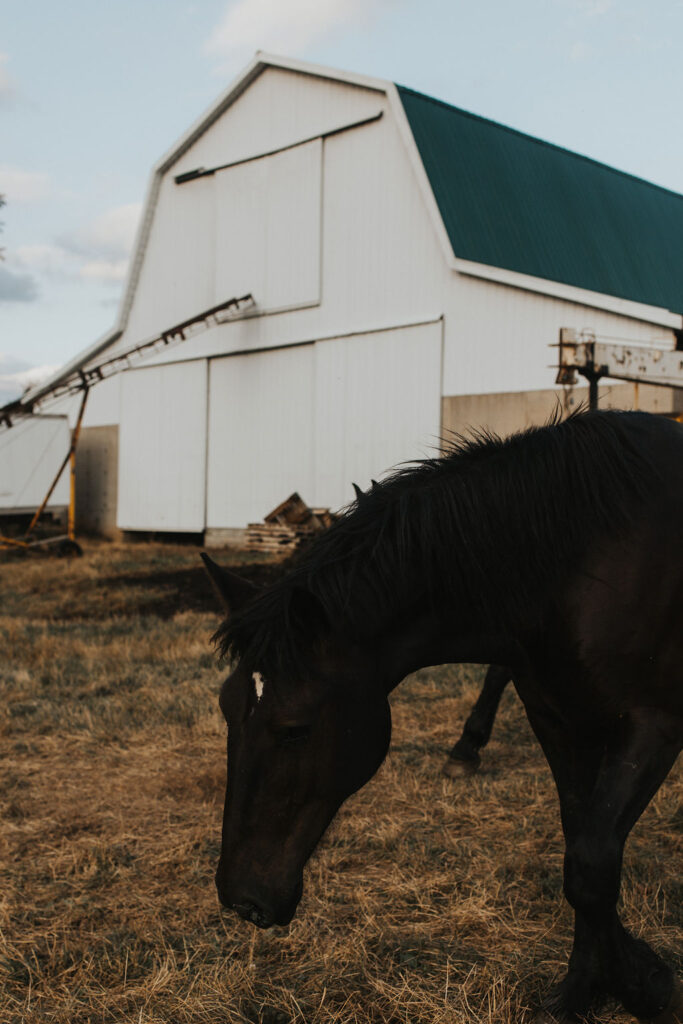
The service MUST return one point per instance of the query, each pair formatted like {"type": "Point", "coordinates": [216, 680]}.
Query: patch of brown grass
{"type": "Point", "coordinates": [429, 899]}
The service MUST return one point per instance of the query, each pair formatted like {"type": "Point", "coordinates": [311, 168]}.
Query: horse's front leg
{"type": "Point", "coordinates": [627, 769]}
{"type": "Point", "coordinates": [464, 755]}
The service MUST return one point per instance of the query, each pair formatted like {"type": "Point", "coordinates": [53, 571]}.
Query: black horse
{"type": "Point", "coordinates": [464, 754]}
{"type": "Point", "coordinates": [557, 552]}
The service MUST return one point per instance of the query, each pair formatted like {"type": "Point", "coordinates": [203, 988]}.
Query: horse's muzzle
{"type": "Point", "coordinates": [257, 915]}
{"type": "Point", "coordinates": [262, 910]}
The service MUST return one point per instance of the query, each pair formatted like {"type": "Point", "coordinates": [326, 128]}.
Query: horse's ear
{"type": "Point", "coordinates": [359, 493]}
{"type": "Point", "coordinates": [232, 590]}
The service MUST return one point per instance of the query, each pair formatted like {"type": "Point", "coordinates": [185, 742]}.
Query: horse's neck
{"type": "Point", "coordinates": [436, 639]}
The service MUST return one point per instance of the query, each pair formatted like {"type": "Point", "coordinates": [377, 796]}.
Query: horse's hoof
{"type": "Point", "coordinates": [673, 1012]}
{"type": "Point", "coordinates": [554, 1008]}
{"type": "Point", "coordinates": [455, 768]}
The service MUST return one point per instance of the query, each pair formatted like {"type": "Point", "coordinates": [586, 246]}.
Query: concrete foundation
{"type": "Point", "coordinates": [505, 412]}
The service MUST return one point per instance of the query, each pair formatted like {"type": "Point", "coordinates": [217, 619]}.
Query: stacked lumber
{"type": "Point", "coordinates": [284, 529]}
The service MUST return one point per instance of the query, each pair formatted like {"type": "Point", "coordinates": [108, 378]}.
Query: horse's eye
{"type": "Point", "coordinates": [294, 733]}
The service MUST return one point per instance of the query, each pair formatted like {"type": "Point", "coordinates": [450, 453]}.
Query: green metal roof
{"type": "Point", "coordinates": [511, 201]}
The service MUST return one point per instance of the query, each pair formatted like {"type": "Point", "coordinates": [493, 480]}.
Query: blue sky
{"type": "Point", "coordinates": [92, 94]}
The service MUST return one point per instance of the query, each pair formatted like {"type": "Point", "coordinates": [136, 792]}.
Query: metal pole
{"type": "Point", "coordinates": [71, 519]}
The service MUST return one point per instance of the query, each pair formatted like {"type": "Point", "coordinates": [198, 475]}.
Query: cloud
{"type": "Point", "coordinates": [10, 365]}
{"type": "Point", "coordinates": [16, 376]}
{"type": "Point", "coordinates": [45, 258]}
{"type": "Point", "coordinates": [98, 251]}
{"type": "Point", "coordinates": [106, 243]}
{"type": "Point", "coordinates": [285, 27]}
{"type": "Point", "coordinates": [19, 186]}
{"type": "Point", "coordinates": [17, 287]}
{"type": "Point", "coordinates": [102, 248]}
{"type": "Point", "coordinates": [105, 270]}
{"type": "Point", "coordinates": [111, 235]}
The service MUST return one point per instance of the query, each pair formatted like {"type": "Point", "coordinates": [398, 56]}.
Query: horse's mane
{"type": "Point", "coordinates": [494, 521]}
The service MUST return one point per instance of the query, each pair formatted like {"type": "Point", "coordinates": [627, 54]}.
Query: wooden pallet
{"type": "Point", "coordinates": [291, 511]}
{"type": "Point", "coordinates": [275, 538]}
{"type": "Point", "coordinates": [287, 526]}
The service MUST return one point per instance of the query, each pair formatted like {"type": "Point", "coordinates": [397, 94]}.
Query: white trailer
{"type": "Point", "coordinates": [30, 456]}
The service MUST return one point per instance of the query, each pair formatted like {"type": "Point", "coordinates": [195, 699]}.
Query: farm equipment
{"type": "Point", "coordinates": [582, 352]}
{"type": "Point", "coordinates": [79, 382]}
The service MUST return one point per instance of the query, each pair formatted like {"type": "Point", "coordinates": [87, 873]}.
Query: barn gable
{"type": "Point", "coordinates": [235, 206]}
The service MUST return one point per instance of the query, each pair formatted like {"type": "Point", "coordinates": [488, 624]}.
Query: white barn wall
{"type": "Point", "coordinates": [382, 262]}
{"type": "Point", "coordinates": [267, 227]}
{"type": "Point", "coordinates": [162, 449]}
{"type": "Point", "coordinates": [378, 401]}
{"type": "Point", "coordinates": [261, 433]}
{"type": "Point", "coordinates": [498, 338]}
{"type": "Point", "coordinates": [177, 275]}
{"type": "Point", "coordinates": [279, 108]}
{"type": "Point", "coordinates": [103, 406]}
{"type": "Point", "coordinates": [314, 417]}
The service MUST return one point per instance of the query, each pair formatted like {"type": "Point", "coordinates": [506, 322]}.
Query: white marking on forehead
{"type": "Point", "coordinates": [258, 684]}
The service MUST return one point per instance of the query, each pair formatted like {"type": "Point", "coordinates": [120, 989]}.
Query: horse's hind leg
{"type": "Point", "coordinates": [605, 958]}
{"type": "Point", "coordinates": [464, 755]}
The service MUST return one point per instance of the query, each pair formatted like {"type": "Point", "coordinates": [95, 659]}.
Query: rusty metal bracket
{"type": "Point", "coordinates": [581, 352]}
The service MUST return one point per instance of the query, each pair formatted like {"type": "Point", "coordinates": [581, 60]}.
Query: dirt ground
{"type": "Point", "coordinates": [429, 899]}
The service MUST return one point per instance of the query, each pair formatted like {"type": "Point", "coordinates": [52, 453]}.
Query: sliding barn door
{"type": "Point", "coordinates": [261, 433]}
{"type": "Point", "coordinates": [378, 403]}
{"type": "Point", "coordinates": [162, 448]}
{"type": "Point", "coordinates": [315, 417]}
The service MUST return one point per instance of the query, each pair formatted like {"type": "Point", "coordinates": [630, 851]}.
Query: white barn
{"type": "Point", "coordinates": [410, 265]}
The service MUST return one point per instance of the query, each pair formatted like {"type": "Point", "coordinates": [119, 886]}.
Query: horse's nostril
{"type": "Point", "coordinates": [252, 912]}
{"type": "Point", "coordinates": [257, 917]}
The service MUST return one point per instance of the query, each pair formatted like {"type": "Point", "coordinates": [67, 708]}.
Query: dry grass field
{"type": "Point", "coordinates": [429, 900]}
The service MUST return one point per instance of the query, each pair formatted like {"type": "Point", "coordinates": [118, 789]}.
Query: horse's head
{"type": "Point", "coordinates": [297, 748]}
